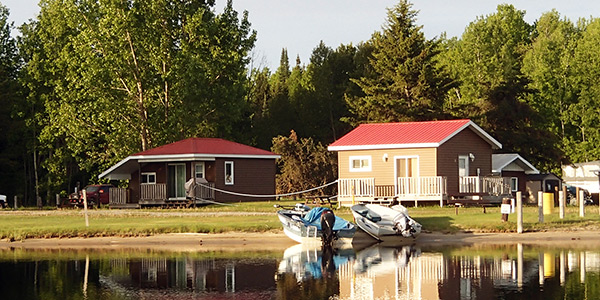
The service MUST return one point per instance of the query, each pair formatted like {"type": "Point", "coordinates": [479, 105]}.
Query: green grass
{"type": "Point", "coordinates": [260, 217]}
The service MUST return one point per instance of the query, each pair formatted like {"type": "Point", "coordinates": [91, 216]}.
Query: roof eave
{"type": "Point", "coordinates": [382, 146]}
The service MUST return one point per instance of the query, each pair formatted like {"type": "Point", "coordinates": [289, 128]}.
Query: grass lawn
{"type": "Point", "coordinates": [260, 217]}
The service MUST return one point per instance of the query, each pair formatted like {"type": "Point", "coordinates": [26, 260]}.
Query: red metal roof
{"type": "Point", "coordinates": [421, 134]}
{"type": "Point", "coordinates": [205, 146]}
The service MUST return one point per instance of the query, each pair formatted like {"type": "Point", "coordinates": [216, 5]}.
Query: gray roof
{"type": "Point", "coordinates": [512, 162]}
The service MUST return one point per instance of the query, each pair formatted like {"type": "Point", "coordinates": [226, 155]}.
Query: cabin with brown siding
{"type": "Point", "coordinates": [438, 161]}
{"type": "Point", "coordinates": [192, 171]}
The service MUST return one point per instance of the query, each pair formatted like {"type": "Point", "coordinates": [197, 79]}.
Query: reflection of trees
{"type": "Point", "coordinates": [47, 279]}
{"type": "Point", "coordinates": [288, 287]}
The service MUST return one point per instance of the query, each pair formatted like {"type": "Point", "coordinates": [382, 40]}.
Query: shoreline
{"type": "Point", "coordinates": [273, 241]}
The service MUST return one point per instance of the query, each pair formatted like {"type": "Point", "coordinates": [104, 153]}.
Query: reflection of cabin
{"type": "Point", "coordinates": [158, 176]}
{"type": "Point", "coordinates": [418, 161]}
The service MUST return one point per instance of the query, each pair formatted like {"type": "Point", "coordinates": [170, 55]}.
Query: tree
{"type": "Point", "coordinates": [127, 76]}
{"type": "Point", "coordinates": [14, 133]}
{"type": "Point", "coordinates": [407, 84]}
{"type": "Point", "coordinates": [303, 165]}
{"type": "Point", "coordinates": [583, 115]}
{"type": "Point", "coordinates": [549, 66]}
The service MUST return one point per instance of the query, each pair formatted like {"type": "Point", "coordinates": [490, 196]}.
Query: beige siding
{"type": "Point", "coordinates": [384, 171]}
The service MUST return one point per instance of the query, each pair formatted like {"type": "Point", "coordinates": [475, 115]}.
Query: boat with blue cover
{"type": "Point", "coordinates": [303, 225]}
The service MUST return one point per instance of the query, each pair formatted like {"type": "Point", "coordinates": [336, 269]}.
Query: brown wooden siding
{"type": "Point", "coordinates": [521, 178]}
{"type": "Point", "coordinates": [383, 171]}
{"type": "Point", "coordinates": [250, 176]}
{"type": "Point", "coordinates": [463, 143]}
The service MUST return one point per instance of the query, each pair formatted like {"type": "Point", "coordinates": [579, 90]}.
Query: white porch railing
{"type": "Point", "coordinates": [491, 185]}
{"type": "Point", "coordinates": [359, 187]}
{"type": "Point", "coordinates": [421, 186]}
{"type": "Point", "coordinates": [414, 187]}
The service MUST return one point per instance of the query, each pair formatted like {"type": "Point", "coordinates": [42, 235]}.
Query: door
{"type": "Point", "coordinates": [407, 173]}
{"type": "Point", "coordinates": [176, 181]}
{"type": "Point", "coordinates": [465, 183]}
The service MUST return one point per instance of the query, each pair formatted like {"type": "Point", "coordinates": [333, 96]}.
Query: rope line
{"type": "Point", "coordinates": [266, 196]}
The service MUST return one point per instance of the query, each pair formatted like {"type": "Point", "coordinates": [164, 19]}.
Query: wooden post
{"type": "Point", "coordinates": [562, 199]}
{"type": "Point", "coordinates": [57, 200]}
{"type": "Point", "coordinates": [541, 207]}
{"type": "Point", "coordinates": [15, 199]}
{"type": "Point", "coordinates": [581, 204]}
{"type": "Point", "coordinates": [505, 202]}
{"type": "Point", "coordinates": [85, 210]}
{"type": "Point", "coordinates": [519, 213]}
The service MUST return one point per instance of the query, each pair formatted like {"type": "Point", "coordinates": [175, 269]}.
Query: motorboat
{"type": "Point", "coordinates": [386, 223]}
{"type": "Point", "coordinates": [303, 225]}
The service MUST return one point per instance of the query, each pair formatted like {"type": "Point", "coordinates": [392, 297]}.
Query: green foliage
{"type": "Point", "coordinates": [406, 83]}
{"type": "Point", "coordinates": [304, 164]}
{"type": "Point", "coordinates": [126, 76]}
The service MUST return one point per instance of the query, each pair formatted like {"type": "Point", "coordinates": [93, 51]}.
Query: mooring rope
{"type": "Point", "coordinates": [266, 196]}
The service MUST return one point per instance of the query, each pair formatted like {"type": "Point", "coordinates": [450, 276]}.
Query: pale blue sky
{"type": "Point", "coordinates": [300, 25]}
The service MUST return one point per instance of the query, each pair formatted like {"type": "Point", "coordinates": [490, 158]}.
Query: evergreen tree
{"type": "Point", "coordinates": [406, 84]}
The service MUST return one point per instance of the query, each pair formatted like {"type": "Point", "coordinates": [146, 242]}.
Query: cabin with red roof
{"type": "Point", "coordinates": [158, 176]}
{"type": "Point", "coordinates": [439, 161]}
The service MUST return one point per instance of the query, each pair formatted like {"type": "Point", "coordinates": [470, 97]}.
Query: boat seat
{"type": "Point", "coordinates": [369, 214]}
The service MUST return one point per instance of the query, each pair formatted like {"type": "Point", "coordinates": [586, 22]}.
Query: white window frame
{"type": "Point", "coordinates": [362, 168]}
{"type": "Point", "coordinates": [148, 174]}
{"type": "Point", "coordinates": [196, 165]}
{"type": "Point", "coordinates": [232, 173]}
{"type": "Point", "coordinates": [515, 187]}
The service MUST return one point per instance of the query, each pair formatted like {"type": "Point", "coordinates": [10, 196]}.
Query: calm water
{"type": "Point", "coordinates": [508, 272]}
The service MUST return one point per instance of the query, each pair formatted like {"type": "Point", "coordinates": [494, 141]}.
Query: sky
{"type": "Point", "coordinates": [300, 25]}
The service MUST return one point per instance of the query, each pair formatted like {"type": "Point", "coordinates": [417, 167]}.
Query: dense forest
{"type": "Point", "coordinates": [89, 82]}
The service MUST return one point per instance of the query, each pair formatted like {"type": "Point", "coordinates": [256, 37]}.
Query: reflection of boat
{"type": "Point", "coordinates": [313, 262]}
{"type": "Point", "coordinates": [385, 223]}
{"type": "Point", "coordinates": [383, 260]}
{"type": "Point", "coordinates": [303, 225]}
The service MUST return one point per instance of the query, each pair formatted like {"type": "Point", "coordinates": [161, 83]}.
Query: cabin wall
{"type": "Point", "coordinates": [384, 171]}
{"type": "Point", "coordinates": [465, 142]}
{"type": "Point", "coordinates": [251, 176]}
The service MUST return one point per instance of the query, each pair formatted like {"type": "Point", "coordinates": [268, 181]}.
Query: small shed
{"type": "Point", "coordinates": [514, 167]}
{"type": "Point", "coordinates": [158, 176]}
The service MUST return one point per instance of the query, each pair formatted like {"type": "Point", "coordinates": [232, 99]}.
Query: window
{"type": "Point", "coordinates": [149, 178]}
{"type": "Point", "coordinates": [514, 184]}
{"type": "Point", "coordinates": [199, 170]}
{"type": "Point", "coordinates": [229, 172]}
{"type": "Point", "coordinates": [360, 164]}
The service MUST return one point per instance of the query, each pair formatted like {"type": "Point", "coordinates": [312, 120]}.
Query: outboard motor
{"type": "Point", "coordinates": [327, 222]}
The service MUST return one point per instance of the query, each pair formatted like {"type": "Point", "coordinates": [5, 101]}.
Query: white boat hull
{"type": "Point", "coordinates": [381, 223]}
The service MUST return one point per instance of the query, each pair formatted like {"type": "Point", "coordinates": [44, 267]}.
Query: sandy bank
{"type": "Point", "coordinates": [241, 241]}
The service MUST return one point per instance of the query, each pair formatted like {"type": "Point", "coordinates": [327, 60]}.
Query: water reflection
{"type": "Point", "coordinates": [475, 272]}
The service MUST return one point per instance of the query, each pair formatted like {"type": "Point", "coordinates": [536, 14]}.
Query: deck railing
{"type": "Point", "coordinates": [359, 187]}
{"type": "Point", "coordinates": [492, 185]}
{"type": "Point", "coordinates": [421, 186]}
{"type": "Point", "coordinates": [156, 191]}
{"type": "Point", "coordinates": [117, 195]}
{"type": "Point", "coordinates": [205, 191]}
